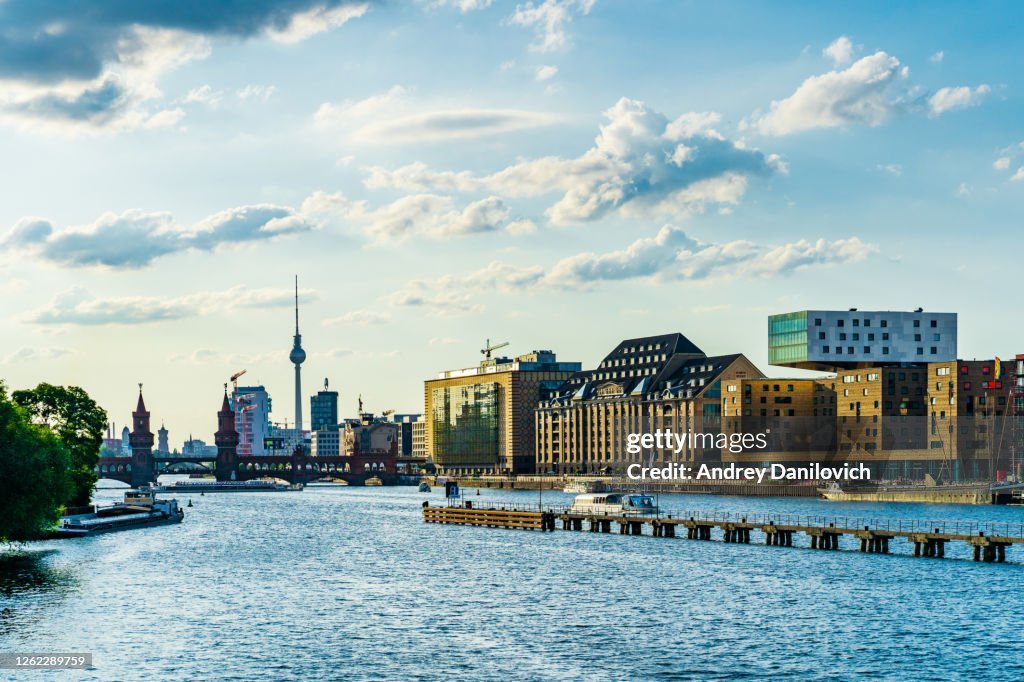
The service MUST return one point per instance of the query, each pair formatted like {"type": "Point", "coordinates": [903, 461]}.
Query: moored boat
{"type": "Point", "coordinates": [976, 493]}
{"type": "Point", "coordinates": [614, 504]}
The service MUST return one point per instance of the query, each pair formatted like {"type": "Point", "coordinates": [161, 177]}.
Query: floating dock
{"type": "Point", "coordinates": [988, 541]}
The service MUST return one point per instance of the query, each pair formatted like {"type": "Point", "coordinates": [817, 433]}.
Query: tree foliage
{"type": "Point", "coordinates": [36, 470]}
{"type": "Point", "coordinates": [75, 418]}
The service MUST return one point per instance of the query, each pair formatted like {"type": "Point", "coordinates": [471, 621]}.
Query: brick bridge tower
{"type": "Point", "coordinates": [226, 439]}
{"type": "Point", "coordinates": [141, 441]}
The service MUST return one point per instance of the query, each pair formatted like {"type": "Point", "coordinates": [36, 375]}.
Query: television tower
{"type": "Point", "coordinates": [297, 356]}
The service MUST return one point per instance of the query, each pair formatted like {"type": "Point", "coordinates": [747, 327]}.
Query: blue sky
{"type": "Point", "coordinates": [559, 174]}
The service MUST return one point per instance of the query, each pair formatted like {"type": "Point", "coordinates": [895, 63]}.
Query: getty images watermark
{"type": "Point", "coordinates": [666, 440]}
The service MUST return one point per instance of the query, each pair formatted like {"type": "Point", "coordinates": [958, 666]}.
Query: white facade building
{"type": "Point", "coordinates": [252, 421]}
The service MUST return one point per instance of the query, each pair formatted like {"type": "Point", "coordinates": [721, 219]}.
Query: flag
{"type": "Point", "coordinates": [998, 370]}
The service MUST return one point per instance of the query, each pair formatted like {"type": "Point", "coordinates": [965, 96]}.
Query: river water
{"type": "Point", "coordinates": [349, 583]}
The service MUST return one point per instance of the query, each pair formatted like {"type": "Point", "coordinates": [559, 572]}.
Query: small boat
{"type": "Point", "coordinates": [374, 480]}
{"type": "Point", "coordinates": [139, 508]}
{"type": "Point", "coordinates": [580, 486]}
{"type": "Point", "coordinates": [614, 504]}
{"type": "Point", "coordinates": [424, 487]}
{"type": "Point", "coordinates": [259, 485]}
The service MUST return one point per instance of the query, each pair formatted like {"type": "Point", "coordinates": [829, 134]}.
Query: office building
{"type": "Point", "coordinates": [323, 410]}
{"type": "Point", "coordinates": [642, 385]}
{"type": "Point", "coordinates": [852, 339]}
{"type": "Point", "coordinates": [481, 420]}
{"type": "Point", "coordinates": [326, 443]}
{"type": "Point", "coordinates": [406, 423]}
{"type": "Point", "coordinates": [251, 405]}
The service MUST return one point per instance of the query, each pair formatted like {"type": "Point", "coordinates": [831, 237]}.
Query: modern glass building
{"type": "Point", "coordinates": [834, 339]}
{"type": "Point", "coordinates": [323, 410]}
{"type": "Point", "coordinates": [480, 420]}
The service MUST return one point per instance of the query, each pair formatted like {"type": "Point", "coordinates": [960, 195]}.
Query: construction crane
{"type": "Point", "coordinates": [486, 350]}
{"type": "Point", "coordinates": [387, 413]}
{"type": "Point", "coordinates": [234, 380]}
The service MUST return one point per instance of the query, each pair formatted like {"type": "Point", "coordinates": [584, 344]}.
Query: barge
{"type": "Point", "coordinates": [139, 508]}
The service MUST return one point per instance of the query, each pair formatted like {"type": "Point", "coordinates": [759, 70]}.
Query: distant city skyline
{"type": "Point", "coordinates": [559, 174]}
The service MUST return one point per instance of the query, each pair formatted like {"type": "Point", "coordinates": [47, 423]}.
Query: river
{"type": "Point", "coordinates": [349, 584]}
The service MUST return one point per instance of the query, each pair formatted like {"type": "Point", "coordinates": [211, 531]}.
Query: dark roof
{"type": "Point", "coordinates": [656, 357]}
{"type": "Point", "coordinates": [690, 377]}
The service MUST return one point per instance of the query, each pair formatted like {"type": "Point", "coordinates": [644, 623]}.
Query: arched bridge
{"type": "Point", "coordinates": [295, 468]}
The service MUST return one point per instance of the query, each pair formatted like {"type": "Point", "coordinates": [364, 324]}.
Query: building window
{"type": "Point", "coordinates": [934, 350]}
{"type": "Point", "coordinates": [824, 349]}
{"type": "Point", "coordinates": [963, 369]}
{"type": "Point", "coordinates": [856, 337]}
{"type": "Point", "coordinates": [885, 336]}
{"type": "Point", "coordinates": [839, 350]}
{"type": "Point", "coordinates": [917, 323]}
{"type": "Point", "coordinates": [920, 351]}
{"type": "Point", "coordinates": [967, 385]}
{"type": "Point", "coordinates": [917, 337]}
{"type": "Point", "coordinates": [885, 350]}
{"type": "Point", "coordinates": [841, 323]}
{"type": "Point", "coordinates": [789, 387]}
{"type": "Point", "coordinates": [856, 323]}
{"type": "Point", "coordinates": [885, 323]}
{"type": "Point", "coordinates": [867, 349]}
{"type": "Point", "coordinates": [936, 337]}
{"type": "Point", "coordinates": [842, 337]}
{"type": "Point", "coordinates": [941, 372]}
{"type": "Point", "coordinates": [821, 336]}
{"type": "Point", "coordinates": [986, 370]}
{"type": "Point", "coordinates": [935, 323]}
{"type": "Point", "coordinates": [849, 350]}
{"type": "Point", "coordinates": [873, 376]}
{"type": "Point", "coordinates": [871, 337]}
{"type": "Point", "coordinates": [817, 322]}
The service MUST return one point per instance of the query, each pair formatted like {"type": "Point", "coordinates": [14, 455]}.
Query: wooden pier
{"type": "Point", "coordinates": [988, 541]}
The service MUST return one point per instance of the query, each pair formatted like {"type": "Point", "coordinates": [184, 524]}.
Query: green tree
{"type": "Point", "coordinates": [78, 422]}
{"type": "Point", "coordinates": [36, 470]}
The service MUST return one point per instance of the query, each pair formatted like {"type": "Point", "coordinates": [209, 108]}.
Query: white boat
{"type": "Point", "coordinates": [582, 486]}
{"type": "Point", "coordinates": [262, 485]}
{"type": "Point", "coordinates": [614, 504]}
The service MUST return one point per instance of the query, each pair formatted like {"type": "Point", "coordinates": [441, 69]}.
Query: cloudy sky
{"type": "Point", "coordinates": [559, 174]}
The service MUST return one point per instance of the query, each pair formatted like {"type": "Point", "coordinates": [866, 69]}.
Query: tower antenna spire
{"type": "Point", "coordinates": [296, 304]}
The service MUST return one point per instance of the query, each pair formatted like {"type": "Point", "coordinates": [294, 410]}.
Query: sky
{"type": "Point", "coordinates": [558, 174]}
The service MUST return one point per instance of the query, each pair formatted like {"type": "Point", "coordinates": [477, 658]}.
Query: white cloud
{"type": "Point", "coordinates": [317, 19]}
{"type": "Point", "coordinates": [546, 73]}
{"type": "Point", "coordinates": [1019, 175]}
{"type": "Point", "coordinates": [462, 5]}
{"type": "Point", "coordinates": [434, 216]}
{"type": "Point", "coordinates": [359, 317]}
{"type": "Point", "coordinates": [451, 124]}
{"type": "Point", "coordinates": [937, 57]}
{"type": "Point", "coordinates": [860, 94]}
{"type": "Point", "coordinates": [671, 255]}
{"type": "Point", "coordinates": [949, 99]}
{"type": "Point", "coordinates": [549, 20]}
{"type": "Point", "coordinates": [891, 168]}
{"type": "Point", "coordinates": [641, 162]}
{"type": "Point", "coordinates": [1002, 163]}
{"type": "Point", "coordinates": [259, 93]}
{"type": "Point", "coordinates": [840, 51]}
{"type": "Point", "coordinates": [443, 341]}
{"type": "Point", "coordinates": [135, 238]}
{"type": "Point", "coordinates": [349, 111]}
{"type": "Point", "coordinates": [963, 189]}
{"type": "Point", "coordinates": [33, 354]}
{"type": "Point", "coordinates": [77, 306]}
{"type": "Point", "coordinates": [204, 94]}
